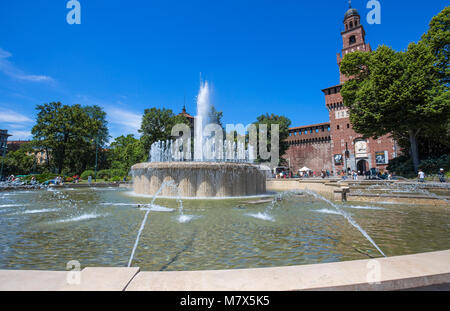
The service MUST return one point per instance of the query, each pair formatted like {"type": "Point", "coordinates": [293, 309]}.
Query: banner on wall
{"type": "Point", "coordinates": [338, 159]}
{"type": "Point", "coordinates": [381, 157]}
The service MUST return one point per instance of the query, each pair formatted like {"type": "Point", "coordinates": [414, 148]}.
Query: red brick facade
{"type": "Point", "coordinates": [338, 147]}
{"type": "Point", "coordinates": [310, 146]}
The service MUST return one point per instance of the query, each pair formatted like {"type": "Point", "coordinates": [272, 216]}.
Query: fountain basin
{"type": "Point", "coordinates": [199, 179]}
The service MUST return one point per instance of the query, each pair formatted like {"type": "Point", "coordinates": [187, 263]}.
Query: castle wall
{"type": "Point", "coordinates": [349, 144]}
{"type": "Point", "coordinates": [310, 146]}
{"type": "Point", "coordinates": [335, 146]}
{"type": "Point", "coordinates": [316, 156]}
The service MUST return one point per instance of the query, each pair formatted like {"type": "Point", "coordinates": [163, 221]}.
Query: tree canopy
{"type": "Point", "coordinates": [157, 125]}
{"type": "Point", "coordinates": [70, 134]}
{"type": "Point", "coordinates": [21, 161]}
{"type": "Point", "coordinates": [284, 124]}
{"type": "Point", "coordinates": [395, 92]}
{"type": "Point", "coordinates": [126, 151]}
{"type": "Point", "coordinates": [438, 39]}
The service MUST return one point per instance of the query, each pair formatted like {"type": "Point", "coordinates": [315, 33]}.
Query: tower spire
{"type": "Point", "coordinates": [350, 4]}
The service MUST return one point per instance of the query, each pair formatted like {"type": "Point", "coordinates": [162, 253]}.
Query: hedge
{"type": "Point", "coordinates": [87, 173]}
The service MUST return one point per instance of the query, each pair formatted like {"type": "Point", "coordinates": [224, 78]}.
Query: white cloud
{"type": "Point", "coordinates": [4, 54]}
{"type": "Point", "coordinates": [121, 121]}
{"type": "Point", "coordinates": [9, 116]}
{"type": "Point", "coordinates": [127, 120]}
{"type": "Point", "coordinates": [20, 135]}
{"type": "Point", "coordinates": [17, 124]}
{"type": "Point", "coordinates": [12, 71]}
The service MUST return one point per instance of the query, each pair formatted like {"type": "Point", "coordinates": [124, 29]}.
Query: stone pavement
{"type": "Point", "coordinates": [426, 271]}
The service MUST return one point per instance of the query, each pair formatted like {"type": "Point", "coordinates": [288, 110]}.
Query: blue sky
{"type": "Point", "coordinates": [126, 56]}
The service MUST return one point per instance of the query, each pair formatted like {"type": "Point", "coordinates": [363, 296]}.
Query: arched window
{"type": "Point", "coordinates": [352, 40]}
{"type": "Point", "coordinates": [351, 24]}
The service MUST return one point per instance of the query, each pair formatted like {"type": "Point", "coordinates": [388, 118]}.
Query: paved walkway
{"type": "Point", "coordinates": [427, 271]}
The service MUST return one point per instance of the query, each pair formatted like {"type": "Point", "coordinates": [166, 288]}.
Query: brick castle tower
{"type": "Point", "coordinates": [334, 145]}
{"type": "Point", "coordinates": [350, 150]}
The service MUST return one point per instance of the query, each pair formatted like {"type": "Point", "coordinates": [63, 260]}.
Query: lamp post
{"type": "Point", "coordinates": [347, 156]}
{"type": "Point", "coordinates": [96, 157]}
{"type": "Point", "coordinates": [3, 159]}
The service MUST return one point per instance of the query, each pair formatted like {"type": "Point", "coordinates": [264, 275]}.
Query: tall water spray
{"type": "Point", "coordinates": [202, 119]}
{"type": "Point", "coordinates": [221, 167]}
{"type": "Point", "coordinates": [210, 144]}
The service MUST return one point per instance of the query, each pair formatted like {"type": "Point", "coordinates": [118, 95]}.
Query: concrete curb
{"type": "Point", "coordinates": [393, 273]}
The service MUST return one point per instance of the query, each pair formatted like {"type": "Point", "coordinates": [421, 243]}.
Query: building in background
{"type": "Point", "coordinates": [3, 140]}
{"type": "Point", "coordinates": [40, 155]}
{"type": "Point", "coordinates": [334, 145]}
{"type": "Point", "coordinates": [3, 148]}
{"type": "Point", "coordinates": [14, 145]}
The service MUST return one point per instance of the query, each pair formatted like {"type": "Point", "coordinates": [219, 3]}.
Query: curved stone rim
{"type": "Point", "coordinates": [199, 179]}
{"type": "Point", "coordinates": [191, 165]}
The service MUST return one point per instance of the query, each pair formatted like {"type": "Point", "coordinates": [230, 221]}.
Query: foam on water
{"type": "Point", "coordinates": [328, 211]}
{"type": "Point", "coordinates": [393, 203]}
{"type": "Point", "coordinates": [364, 207]}
{"type": "Point", "coordinates": [13, 205]}
{"type": "Point", "coordinates": [121, 204]}
{"type": "Point", "coordinates": [79, 218]}
{"type": "Point", "coordinates": [15, 193]}
{"type": "Point", "coordinates": [157, 208]}
{"type": "Point", "coordinates": [182, 219]}
{"type": "Point", "coordinates": [38, 211]}
{"type": "Point", "coordinates": [262, 216]}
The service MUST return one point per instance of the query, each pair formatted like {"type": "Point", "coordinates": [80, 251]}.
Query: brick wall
{"type": "Point", "coordinates": [315, 146]}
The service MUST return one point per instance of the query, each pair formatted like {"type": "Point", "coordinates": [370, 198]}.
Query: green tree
{"type": "Point", "coordinates": [157, 125]}
{"type": "Point", "coordinates": [438, 39]}
{"type": "Point", "coordinates": [21, 161]}
{"type": "Point", "coordinates": [395, 92]}
{"type": "Point", "coordinates": [284, 124]}
{"type": "Point", "coordinates": [215, 116]}
{"type": "Point", "coordinates": [69, 133]}
{"type": "Point", "coordinates": [126, 151]}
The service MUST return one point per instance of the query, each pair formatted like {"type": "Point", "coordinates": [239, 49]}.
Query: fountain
{"type": "Point", "coordinates": [221, 168]}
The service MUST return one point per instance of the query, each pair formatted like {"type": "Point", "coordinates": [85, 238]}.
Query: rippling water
{"type": "Point", "coordinates": [98, 227]}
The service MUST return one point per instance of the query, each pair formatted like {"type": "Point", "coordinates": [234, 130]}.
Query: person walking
{"type": "Point", "coordinates": [441, 175]}
{"type": "Point", "coordinates": [421, 176]}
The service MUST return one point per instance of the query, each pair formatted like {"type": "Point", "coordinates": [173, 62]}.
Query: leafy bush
{"type": "Point", "coordinates": [118, 173]}
{"type": "Point", "coordinates": [40, 178]}
{"type": "Point", "coordinates": [432, 166]}
{"type": "Point", "coordinates": [402, 166]}
{"type": "Point", "coordinates": [104, 174]}
{"type": "Point", "coordinates": [116, 178]}
{"type": "Point", "coordinates": [87, 173]}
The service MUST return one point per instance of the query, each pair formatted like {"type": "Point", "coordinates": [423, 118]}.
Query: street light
{"type": "Point", "coordinates": [4, 146]}
{"type": "Point", "coordinates": [96, 157]}
{"type": "Point", "coordinates": [347, 156]}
